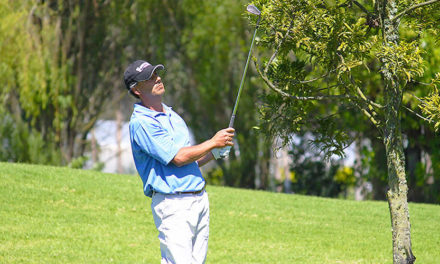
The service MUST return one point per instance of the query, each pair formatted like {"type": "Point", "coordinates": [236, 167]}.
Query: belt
{"type": "Point", "coordinates": [178, 193]}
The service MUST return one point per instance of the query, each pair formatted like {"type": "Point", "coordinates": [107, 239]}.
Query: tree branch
{"type": "Point", "coordinates": [418, 115]}
{"type": "Point", "coordinates": [369, 116]}
{"type": "Point", "coordinates": [368, 101]}
{"type": "Point", "coordinates": [361, 7]}
{"type": "Point", "coordinates": [415, 96]}
{"type": "Point", "coordinates": [422, 83]}
{"type": "Point", "coordinates": [362, 95]}
{"type": "Point", "coordinates": [317, 78]}
{"type": "Point", "coordinates": [413, 7]}
{"type": "Point", "coordinates": [305, 98]}
{"type": "Point", "coordinates": [319, 97]}
{"type": "Point", "coordinates": [329, 87]}
{"type": "Point", "coordinates": [278, 48]}
{"type": "Point", "coordinates": [356, 3]}
{"type": "Point", "coordinates": [365, 109]}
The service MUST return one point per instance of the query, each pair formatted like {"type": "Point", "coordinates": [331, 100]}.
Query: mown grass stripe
{"type": "Point", "coordinates": [61, 215]}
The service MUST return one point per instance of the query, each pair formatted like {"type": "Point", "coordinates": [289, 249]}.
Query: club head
{"type": "Point", "coordinates": [253, 10]}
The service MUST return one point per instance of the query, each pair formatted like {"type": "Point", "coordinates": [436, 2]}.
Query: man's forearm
{"type": "Point", "coordinates": [187, 155]}
{"type": "Point", "coordinates": [205, 159]}
{"type": "Point", "coordinates": [200, 152]}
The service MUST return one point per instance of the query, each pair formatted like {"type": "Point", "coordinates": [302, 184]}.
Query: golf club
{"type": "Point", "coordinates": [253, 10]}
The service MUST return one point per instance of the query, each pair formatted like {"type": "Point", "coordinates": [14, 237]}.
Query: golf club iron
{"type": "Point", "coordinates": [253, 10]}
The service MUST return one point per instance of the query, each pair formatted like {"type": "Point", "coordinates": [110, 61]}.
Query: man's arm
{"type": "Point", "coordinates": [207, 158]}
{"type": "Point", "coordinates": [202, 151]}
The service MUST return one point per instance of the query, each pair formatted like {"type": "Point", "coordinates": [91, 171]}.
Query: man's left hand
{"type": "Point", "coordinates": [224, 152]}
{"type": "Point", "coordinates": [221, 153]}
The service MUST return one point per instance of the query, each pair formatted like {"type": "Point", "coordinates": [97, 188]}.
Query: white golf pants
{"type": "Point", "coordinates": [183, 224]}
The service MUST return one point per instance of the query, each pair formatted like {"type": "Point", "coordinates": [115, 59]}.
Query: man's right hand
{"type": "Point", "coordinates": [223, 138]}
{"type": "Point", "coordinates": [223, 143]}
{"type": "Point", "coordinates": [198, 152]}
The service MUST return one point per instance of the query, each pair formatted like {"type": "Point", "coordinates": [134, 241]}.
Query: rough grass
{"type": "Point", "coordinates": [60, 215]}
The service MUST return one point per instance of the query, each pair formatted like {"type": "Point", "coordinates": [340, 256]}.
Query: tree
{"type": "Point", "coordinates": [26, 74]}
{"type": "Point", "coordinates": [329, 51]}
{"type": "Point", "coordinates": [61, 64]}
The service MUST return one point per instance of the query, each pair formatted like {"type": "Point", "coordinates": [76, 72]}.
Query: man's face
{"type": "Point", "coordinates": [153, 86]}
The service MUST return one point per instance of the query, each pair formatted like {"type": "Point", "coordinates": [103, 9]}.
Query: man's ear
{"type": "Point", "coordinates": [136, 91]}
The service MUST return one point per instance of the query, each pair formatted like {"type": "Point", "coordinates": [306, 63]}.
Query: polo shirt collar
{"type": "Point", "coordinates": [140, 109]}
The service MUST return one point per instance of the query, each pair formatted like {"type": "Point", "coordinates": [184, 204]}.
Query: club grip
{"type": "Point", "coordinates": [231, 123]}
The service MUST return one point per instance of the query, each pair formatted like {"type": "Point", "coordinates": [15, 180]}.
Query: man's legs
{"type": "Point", "coordinates": [183, 225]}
{"type": "Point", "coordinates": [200, 241]}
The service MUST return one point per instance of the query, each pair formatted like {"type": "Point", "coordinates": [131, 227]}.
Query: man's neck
{"type": "Point", "coordinates": [155, 105]}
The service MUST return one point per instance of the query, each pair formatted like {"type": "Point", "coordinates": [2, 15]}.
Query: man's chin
{"type": "Point", "coordinates": [160, 91]}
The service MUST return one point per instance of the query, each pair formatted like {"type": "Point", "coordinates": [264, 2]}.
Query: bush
{"type": "Point", "coordinates": [21, 143]}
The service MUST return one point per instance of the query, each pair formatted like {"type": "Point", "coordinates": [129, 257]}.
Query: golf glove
{"type": "Point", "coordinates": [221, 153]}
{"type": "Point", "coordinates": [224, 152]}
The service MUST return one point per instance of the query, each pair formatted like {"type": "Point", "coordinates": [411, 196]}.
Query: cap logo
{"type": "Point", "coordinates": [142, 66]}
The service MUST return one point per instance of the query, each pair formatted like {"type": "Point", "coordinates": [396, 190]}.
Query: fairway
{"type": "Point", "coordinates": [61, 215]}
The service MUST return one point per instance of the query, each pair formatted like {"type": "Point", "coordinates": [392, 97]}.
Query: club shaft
{"type": "Point", "coordinates": [231, 122]}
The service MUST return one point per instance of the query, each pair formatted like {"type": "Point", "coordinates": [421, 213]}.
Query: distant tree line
{"type": "Point", "coordinates": [61, 69]}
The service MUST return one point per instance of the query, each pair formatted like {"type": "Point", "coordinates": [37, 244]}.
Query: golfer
{"type": "Point", "coordinates": [169, 167]}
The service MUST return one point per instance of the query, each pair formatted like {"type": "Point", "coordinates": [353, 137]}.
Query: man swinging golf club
{"type": "Point", "coordinates": [169, 165]}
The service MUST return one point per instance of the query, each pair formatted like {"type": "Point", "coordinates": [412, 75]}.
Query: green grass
{"type": "Point", "coordinates": [60, 215]}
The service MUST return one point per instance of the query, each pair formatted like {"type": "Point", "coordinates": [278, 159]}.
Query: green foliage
{"type": "Point", "coordinates": [60, 67]}
{"type": "Point", "coordinates": [78, 163]}
{"type": "Point", "coordinates": [423, 19]}
{"type": "Point", "coordinates": [23, 144]}
{"type": "Point", "coordinates": [431, 104]}
{"type": "Point", "coordinates": [318, 57]}
{"type": "Point", "coordinates": [345, 175]}
{"type": "Point", "coordinates": [35, 82]}
{"type": "Point", "coordinates": [337, 69]}
{"type": "Point", "coordinates": [214, 176]}
{"type": "Point", "coordinates": [404, 59]}
{"type": "Point", "coordinates": [316, 174]}
{"type": "Point", "coordinates": [326, 54]}
{"type": "Point", "coordinates": [434, 179]}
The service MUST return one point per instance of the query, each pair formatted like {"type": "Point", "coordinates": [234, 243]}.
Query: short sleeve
{"type": "Point", "coordinates": [155, 141]}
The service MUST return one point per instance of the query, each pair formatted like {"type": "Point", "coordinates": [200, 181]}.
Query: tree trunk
{"type": "Point", "coordinates": [119, 167]}
{"type": "Point", "coordinates": [359, 188]}
{"type": "Point", "coordinates": [94, 147]}
{"type": "Point", "coordinates": [397, 193]}
{"type": "Point", "coordinates": [398, 188]}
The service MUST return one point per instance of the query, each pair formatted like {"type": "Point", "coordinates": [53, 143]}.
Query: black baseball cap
{"type": "Point", "coordinates": [139, 71]}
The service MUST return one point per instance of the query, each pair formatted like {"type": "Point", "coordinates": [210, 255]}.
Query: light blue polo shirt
{"type": "Point", "coordinates": [156, 138]}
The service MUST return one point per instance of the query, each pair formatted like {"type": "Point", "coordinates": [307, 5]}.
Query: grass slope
{"type": "Point", "coordinates": [60, 215]}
